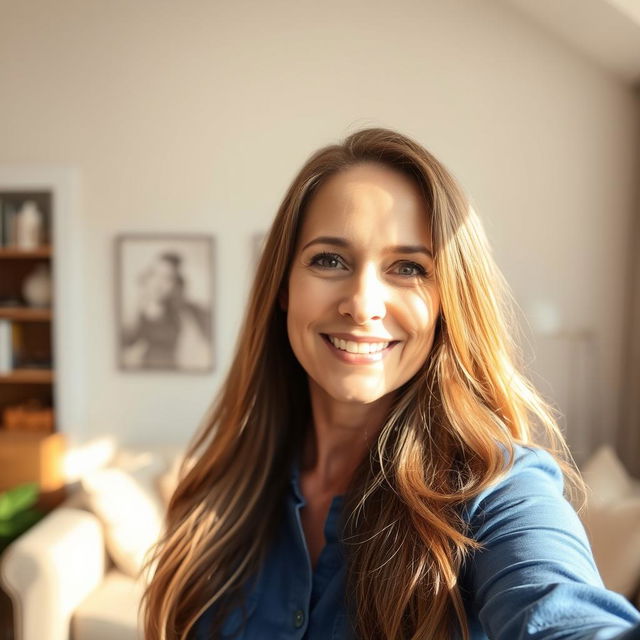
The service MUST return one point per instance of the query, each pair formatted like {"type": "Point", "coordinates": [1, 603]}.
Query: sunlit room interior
{"type": "Point", "coordinates": [148, 143]}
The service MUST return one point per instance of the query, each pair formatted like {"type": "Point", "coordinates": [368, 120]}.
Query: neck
{"type": "Point", "coordinates": [340, 436]}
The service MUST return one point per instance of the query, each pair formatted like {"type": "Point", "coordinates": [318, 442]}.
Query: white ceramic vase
{"type": "Point", "coordinates": [37, 288]}
{"type": "Point", "coordinates": [29, 226]}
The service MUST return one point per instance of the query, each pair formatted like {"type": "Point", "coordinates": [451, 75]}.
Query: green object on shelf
{"type": "Point", "coordinates": [18, 499]}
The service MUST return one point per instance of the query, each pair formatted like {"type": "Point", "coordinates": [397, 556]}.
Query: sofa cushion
{"type": "Point", "coordinates": [125, 498]}
{"type": "Point", "coordinates": [612, 521]}
{"type": "Point", "coordinates": [606, 476]}
{"type": "Point", "coordinates": [110, 611]}
{"type": "Point", "coordinates": [168, 481]}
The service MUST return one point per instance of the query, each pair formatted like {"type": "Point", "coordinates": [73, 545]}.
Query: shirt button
{"type": "Point", "coordinates": [298, 618]}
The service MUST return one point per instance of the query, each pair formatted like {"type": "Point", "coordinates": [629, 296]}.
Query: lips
{"type": "Point", "coordinates": [358, 351]}
{"type": "Point", "coordinates": [355, 338]}
{"type": "Point", "coordinates": [358, 340]}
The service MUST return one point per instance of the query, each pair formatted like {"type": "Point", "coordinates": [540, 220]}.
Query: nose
{"type": "Point", "coordinates": [365, 300]}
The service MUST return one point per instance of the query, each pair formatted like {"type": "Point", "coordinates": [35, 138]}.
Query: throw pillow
{"type": "Point", "coordinates": [124, 498]}
{"type": "Point", "coordinates": [168, 481]}
{"type": "Point", "coordinates": [612, 521]}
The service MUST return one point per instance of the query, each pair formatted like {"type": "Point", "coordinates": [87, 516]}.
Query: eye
{"type": "Point", "coordinates": [326, 261]}
{"type": "Point", "coordinates": [411, 269]}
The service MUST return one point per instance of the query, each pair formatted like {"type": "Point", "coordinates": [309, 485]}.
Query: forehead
{"type": "Point", "coordinates": [366, 202]}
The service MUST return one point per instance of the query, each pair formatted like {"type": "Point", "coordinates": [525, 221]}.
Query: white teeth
{"type": "Point", "coordinates": [358, 347]}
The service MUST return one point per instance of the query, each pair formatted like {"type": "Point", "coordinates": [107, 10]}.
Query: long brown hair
{"type": "Point", "coordinates": [443, 441]}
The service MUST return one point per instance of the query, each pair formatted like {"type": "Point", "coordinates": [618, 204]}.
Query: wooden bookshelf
{"type": "Point", "coordinates": [30, 377]}
{"type": "Point", "coordinates": [42, 371]}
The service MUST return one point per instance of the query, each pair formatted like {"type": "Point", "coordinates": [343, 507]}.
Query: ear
{"type": "Point", "coordinates": [283, 299]}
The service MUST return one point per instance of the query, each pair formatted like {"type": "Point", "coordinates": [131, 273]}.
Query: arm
{"type": "Point", "coordinates": [50, 569]}
{"type": "Point", "coordinates": [131, 335]}
{"type": "Point", "coordinates": [536, 577]}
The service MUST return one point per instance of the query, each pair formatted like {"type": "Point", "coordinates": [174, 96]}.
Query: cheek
{"type": "Point", "coordinates": [308, 295]}
{"type": "Point", "coordinates": [309, 300]}
{"type": "Point", "coordinates": [419, 320]}
{"type": "Point", "coordinates": [418, 315]}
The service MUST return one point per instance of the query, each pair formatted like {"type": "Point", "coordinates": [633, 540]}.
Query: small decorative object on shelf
{"type": "Point", "coordinates": [36, 288]}
{"type": "Point", "coordinates": [11, 345]}
{"type": "Point", "coordinates": [6, 346]}
{"type": "Point", "coordinates": [30, 416]}
{"type": "Point", "coordinates": [25, 220]}
{"type": "Point", "coordinates": [29, 226]}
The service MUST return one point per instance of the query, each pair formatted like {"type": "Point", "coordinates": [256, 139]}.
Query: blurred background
{"type": "Point", "coordinates": [147, 145]}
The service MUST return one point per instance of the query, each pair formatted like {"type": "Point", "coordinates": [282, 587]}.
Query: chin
{"type": "Point", "coordinates": [358, 396]}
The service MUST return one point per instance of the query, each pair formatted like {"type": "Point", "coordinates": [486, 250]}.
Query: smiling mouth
{"type": "Point", "coordinates": [358, 348]}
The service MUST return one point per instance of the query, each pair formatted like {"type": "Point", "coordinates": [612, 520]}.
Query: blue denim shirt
{"type": "Point", "coordinates": [534, 578]}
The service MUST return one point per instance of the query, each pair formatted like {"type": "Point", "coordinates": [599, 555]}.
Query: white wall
{"type": "Point", "coordinates": [194, 117]}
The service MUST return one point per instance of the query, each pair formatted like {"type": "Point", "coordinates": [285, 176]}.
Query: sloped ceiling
{"type": "Point", "coordinates": [606, 31]}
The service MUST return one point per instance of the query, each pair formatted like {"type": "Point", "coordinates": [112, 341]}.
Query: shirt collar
{"type": "Point", "coordinates": [295, 479]}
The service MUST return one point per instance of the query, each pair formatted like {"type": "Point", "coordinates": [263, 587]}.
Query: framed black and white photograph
{"type": "Point", "coordinates": [164, 302]}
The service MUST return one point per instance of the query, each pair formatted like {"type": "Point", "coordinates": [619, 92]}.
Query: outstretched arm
{"type": "Point", "coordinates": [535, 576]}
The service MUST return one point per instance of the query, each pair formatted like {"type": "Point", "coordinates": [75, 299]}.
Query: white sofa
{"type": "Point", "coordinates": [72, 574]}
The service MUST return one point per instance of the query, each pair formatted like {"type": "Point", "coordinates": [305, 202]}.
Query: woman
{"type": "Point", "coordinates": [171, 331]}
{"type": "Point", "coordinates": [374, 464]}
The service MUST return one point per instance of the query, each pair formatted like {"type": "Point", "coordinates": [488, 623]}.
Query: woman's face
{"type": "Point", "coordinates": [161, 279]}
{"type": "Point", "coordinates": [362, 301]}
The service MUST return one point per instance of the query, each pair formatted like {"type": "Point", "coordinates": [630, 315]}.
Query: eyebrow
{"type": "Point", "coordinates": [341, 242]}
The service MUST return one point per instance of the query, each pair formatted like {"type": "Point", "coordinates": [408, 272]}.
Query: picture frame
{"type": "Point", "coordinates": [164, 302]}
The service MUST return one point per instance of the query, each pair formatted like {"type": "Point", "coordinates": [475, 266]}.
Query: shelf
{"type": "Point", "coordinates": [28, 376]}
{"type": "Point", "coordinates": [22, 435]}
{"type": "Point", "coordinates": [26, 314]}
{"type": "Point", "coordinates": [12, 253]}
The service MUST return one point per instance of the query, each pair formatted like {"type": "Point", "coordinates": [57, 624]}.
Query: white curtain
{"type": "Point", "coordinates": [629, 435]}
